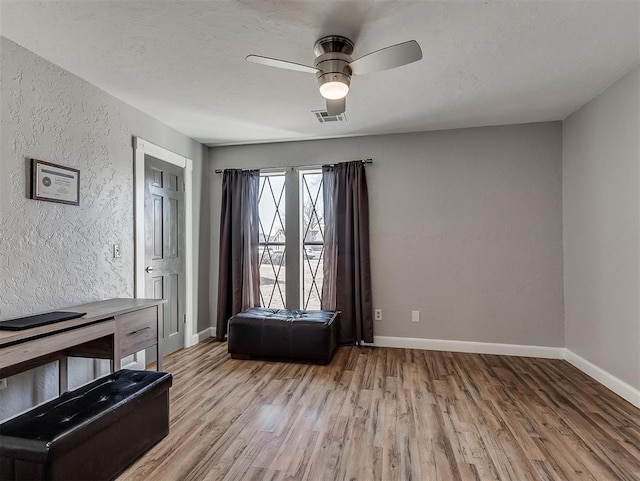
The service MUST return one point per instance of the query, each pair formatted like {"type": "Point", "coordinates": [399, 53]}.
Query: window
{"type": "Point", "coordinates": [312, 237]}
{"type": "Point", "coordinates": [291, 265]}
{"type": "Point", "coordinates": [272, 237]}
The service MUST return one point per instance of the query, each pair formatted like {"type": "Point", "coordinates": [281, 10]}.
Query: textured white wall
{"type": "Point", "coordinates": [54, 255]}
{"type": "Point", "coordinates": [601, 201]}
{"type": "Point", "coordinates": [466, 226]}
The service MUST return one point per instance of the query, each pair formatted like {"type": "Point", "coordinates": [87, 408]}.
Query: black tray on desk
{"type": "Point", "coordinates": [38, 320]}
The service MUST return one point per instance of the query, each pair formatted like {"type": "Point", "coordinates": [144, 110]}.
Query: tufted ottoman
{"type": "Point", "coordinates": [285, 334]}
{"type": "Point", "coordinates": [91, 433]}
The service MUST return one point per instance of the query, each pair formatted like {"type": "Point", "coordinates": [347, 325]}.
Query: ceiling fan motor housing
{"type": "Point", "coordinates": [334, 57]}
{"type": "Point", "coordinates": [333, 44]}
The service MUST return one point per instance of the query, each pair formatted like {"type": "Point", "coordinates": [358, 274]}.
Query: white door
{"type": "Point", "coordinates": [165, 247]}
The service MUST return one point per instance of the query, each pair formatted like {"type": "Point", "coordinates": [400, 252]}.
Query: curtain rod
{"type": "Point", "coordinates": [364, 161]}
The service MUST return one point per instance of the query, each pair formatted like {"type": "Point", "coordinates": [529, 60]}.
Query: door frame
{"type": "Point", "coordinates": [141, 148]}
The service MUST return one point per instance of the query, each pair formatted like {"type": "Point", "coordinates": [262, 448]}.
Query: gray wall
{"type": "Point", "coordinates": [601, 191]}
{"type": "Point", "coordinates": [466, 226]}
{"type": "Point", "coordinates": [54, 255]}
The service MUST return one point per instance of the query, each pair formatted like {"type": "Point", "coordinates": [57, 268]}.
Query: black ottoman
{"type": "Point", "coordinates": [284, 334]}
{"type": "Point", "coordinates": [91, 433]}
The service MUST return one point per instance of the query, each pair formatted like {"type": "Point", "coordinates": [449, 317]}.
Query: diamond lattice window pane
{"type": "Point", "coordinates": [312, 239]}
{"type": "Point", "coordinates": [271, 207]}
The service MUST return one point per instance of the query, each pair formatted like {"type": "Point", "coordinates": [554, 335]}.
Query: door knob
{"type": "Point", "coordinates": [149, 269]}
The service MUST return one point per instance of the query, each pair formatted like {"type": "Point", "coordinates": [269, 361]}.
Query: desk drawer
{"type": "Point", "coordinates": [137, 330]}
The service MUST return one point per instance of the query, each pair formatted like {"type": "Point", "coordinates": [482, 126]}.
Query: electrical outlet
{"type": "Point", "coordinates": [377, 314]}
{"type": "Point", "coordinates": [415, 316]}
{"type": "Point", "coordinates": [3, 383]}
{"type": "Point", "coordinates": [117, 254]}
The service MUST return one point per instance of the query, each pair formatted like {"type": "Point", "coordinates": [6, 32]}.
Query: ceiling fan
{"type": "Point", "coordinates": [334, 65]}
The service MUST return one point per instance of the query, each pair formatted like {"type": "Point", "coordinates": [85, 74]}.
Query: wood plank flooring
{"type": "Point", "coordinates": [390, 414]}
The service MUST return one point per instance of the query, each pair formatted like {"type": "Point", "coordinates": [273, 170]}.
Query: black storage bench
{"type": "Point", "coordinates": [284, 334]}
{"type": "Point", "coordinates": [91, 433]}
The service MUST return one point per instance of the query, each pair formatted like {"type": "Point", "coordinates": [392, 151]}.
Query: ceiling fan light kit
{"type": "Point", "coordinates": [334, 65]}
{"type": "Point", "coordinates": [334, 86]}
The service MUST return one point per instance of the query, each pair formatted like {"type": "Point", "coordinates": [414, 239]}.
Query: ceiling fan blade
{"type": "Point", "coordinates": [336, 107]}
{"type": "Point", "coordinates": [386, 58]}
{"type": "Point", "coordinates": [274, 62]}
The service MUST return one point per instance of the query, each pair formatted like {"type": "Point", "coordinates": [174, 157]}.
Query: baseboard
{"type": "Point", "coordinates": [605, 378]}
{"type": "Point", "coordinates": [469, 346]}
{"type": "Point", "coordinates": [202, 335]}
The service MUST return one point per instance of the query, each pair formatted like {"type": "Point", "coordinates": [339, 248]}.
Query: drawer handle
{"type": "Point", "coordinates": [139, 330]}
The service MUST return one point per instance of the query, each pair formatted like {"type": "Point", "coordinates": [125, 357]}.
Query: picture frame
{"type": "Point", "coordinates": [54, 183]}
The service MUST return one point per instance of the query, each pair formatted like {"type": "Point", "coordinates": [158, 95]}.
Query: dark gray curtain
{"type": "Point", "coordinates": [347, 268]}
{"type": "Point", "coordinates": [239, 270]}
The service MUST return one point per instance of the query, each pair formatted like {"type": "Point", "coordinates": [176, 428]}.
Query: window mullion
{"type": "Point", "coordinates": [292, 250]}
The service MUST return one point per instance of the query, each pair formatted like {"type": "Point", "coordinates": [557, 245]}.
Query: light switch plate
{"type": "Point", "coordinates": [117, 253]}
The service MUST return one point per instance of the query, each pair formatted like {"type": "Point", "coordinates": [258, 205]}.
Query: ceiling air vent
{"type": "Point", "coordinates": [323, 117]}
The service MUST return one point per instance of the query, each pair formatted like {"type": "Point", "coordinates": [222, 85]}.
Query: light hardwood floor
{"type": "Point", "coordinates": [390, 414]}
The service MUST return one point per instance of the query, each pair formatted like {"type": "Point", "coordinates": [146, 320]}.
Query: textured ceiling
{"type": "Point", "coordinates": [485, 62]}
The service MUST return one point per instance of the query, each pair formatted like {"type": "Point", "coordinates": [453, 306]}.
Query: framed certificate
{"type": "Point", "coordinates": [54, 183]}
